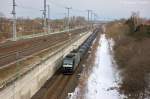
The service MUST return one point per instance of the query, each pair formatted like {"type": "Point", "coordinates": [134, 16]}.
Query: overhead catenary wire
{"type": "Point", "coordinates": [64, 6]}
{"type": "Point", "coordinates": [28, 10]}
{"type": "Point", "coordinates": [50, 2]}
{"type": "Point", "coordinates": [57, 4]}
{"type": "Point", "coordinates": [19, 5]}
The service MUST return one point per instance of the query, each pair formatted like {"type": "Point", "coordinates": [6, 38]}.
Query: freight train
{"type": "Point", "coordinates": [72, 60]}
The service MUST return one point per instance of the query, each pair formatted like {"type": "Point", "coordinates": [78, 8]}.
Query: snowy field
{"type": "Point", "coordinates": [102, 82]}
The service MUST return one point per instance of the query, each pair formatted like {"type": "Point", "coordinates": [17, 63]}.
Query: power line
{"type": "Point", "coordinates": [52, 2]}
{"type": "Point", "coordinates": [90, 17]}
{"type": "Point", "coordinates": [63, 6]}
{"type": "Point", "coordinates": [19, 5]}
{"type": "Point", "coordinates": [27, 7]}
{"type": "Point", "coordinates": [58, 5]}
{"type": "Point", "coordinates": [78, 10]}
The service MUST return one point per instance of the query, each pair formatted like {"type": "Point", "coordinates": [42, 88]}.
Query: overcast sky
{"type": "Point", "coordinates": [106, 9]}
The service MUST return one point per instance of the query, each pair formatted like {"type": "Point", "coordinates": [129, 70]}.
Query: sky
{"type": "Point", "coordinates": [105, 9]}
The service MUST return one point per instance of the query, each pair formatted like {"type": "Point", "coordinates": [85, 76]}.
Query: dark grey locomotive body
{"type": "Point", "coordinates": [70, 62]}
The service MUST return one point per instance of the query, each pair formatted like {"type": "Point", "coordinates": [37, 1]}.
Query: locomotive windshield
{"type": "Point", "coordinates": [68, 62]}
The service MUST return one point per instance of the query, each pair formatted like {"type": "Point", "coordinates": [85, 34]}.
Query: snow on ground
{"type": "Point", "coordinates": [102, 83]}
{"type": "Point", "coordinates": [102, 80]}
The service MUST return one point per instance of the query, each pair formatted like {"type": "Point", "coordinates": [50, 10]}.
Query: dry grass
{"type": "Point", "coordinates": [133, 57]}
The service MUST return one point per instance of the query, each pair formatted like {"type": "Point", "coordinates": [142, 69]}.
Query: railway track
{"type": "Point", "coordinates": [12, 53]}
{"type": "Point", "coordinates": [59, 85]}
{"type": "Point", "coordinates": [48, 50]}
{"type": "Point", "coordinates": [16, 55]}
{"type": "Point", "coordinates": [4, 48]}
{"type": "Point", "coordinates": [24, 45]}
